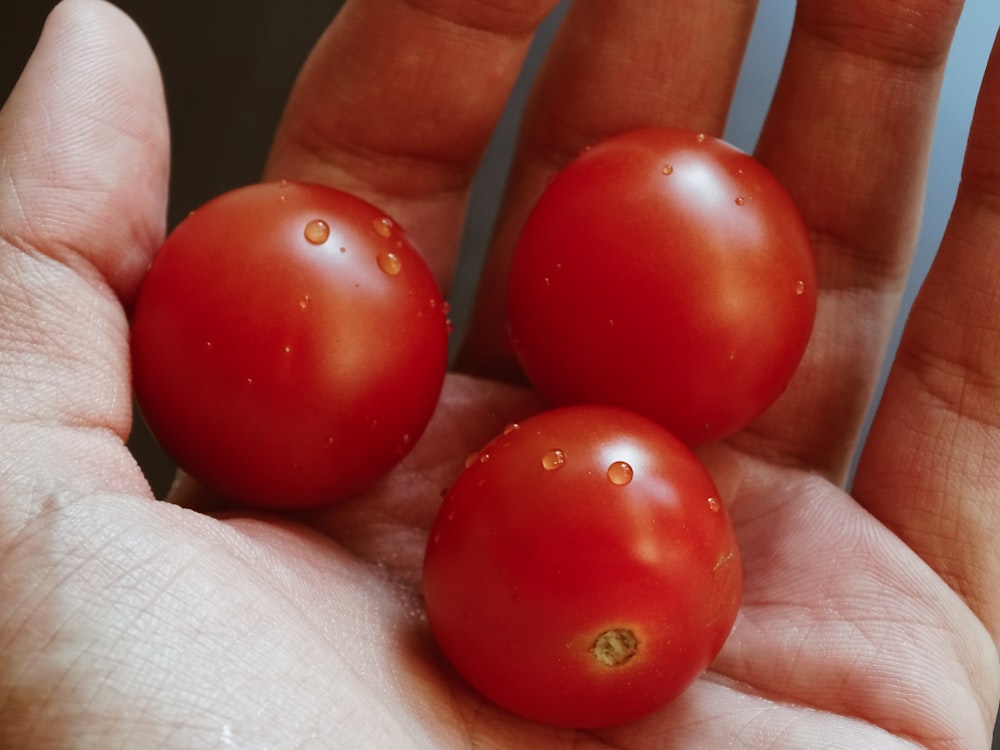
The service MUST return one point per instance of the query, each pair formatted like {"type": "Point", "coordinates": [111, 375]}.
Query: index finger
{"type": "Point", "coordinates": [397, 102]}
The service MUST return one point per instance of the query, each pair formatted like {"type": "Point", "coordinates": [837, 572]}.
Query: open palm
{"type": "Point", "coordinates": [868, 621]}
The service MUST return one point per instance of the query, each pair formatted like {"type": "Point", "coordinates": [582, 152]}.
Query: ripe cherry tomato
{"type": "Point", "coordinates": [666, 272]}
{"type": "Point", "coordinates": [289, 344]}
{"type": "Point", "coordinates": [582, 570]}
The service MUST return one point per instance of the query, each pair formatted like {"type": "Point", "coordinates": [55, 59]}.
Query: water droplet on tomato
{"type": "Point", "coordinates": [404, 444]}
{"type": "Point", "coordinates": [740, 200]}
{"type": "Point", "coordinates": [800, 287]}
{"type": "Point", "coordinates": [446, 307]}
{"type": "Point", "coordinates": [668, 169]}
{"type": "Point", "coordinates": [714, 505]}
{"type": "Point", "coordinates": [700, 137]}
{"type": "Point", "coordinates": [317, 232]}
{"type": "Point", "coordinates": [620, 473]}
{"type": "Point", "coordinates": [389, 263]}
{"type": "Point", "coordinates": [471, 460]}
{"type": "Point", "coordinates": [449, 326]}
{"type": "Point", "coordinates": [207, 347]}
{"type": "Point", "coordinates": [343, 249]}
{"type": "Point", "coordinates": [554, 459]}
{"type": "Point", "coordinates": [304, 302]}
{"type": "Point", "coordinates": [287, 349]}
{"type": "Point", "coordinates": [512, 427]}
{"type": "Point", "coordinates": [382, 226]}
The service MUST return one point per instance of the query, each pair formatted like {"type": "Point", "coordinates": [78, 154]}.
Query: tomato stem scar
{"type": "Point", "coordinates": [614, 648]}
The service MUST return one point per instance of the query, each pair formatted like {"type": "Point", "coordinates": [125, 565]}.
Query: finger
{"type": "Point", "coordinates": [612, 67]}
{"type": "Point", "coordinates": [83, 183]}
{"type": "Point", "coordinates": [931, 465]}
{"type": "Point", "coordinates": [849, 134]}
{"type": "Point", "coordinates": [397, 102]}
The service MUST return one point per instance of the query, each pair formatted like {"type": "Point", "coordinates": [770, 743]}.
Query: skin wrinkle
{"type": "Point", "coordinates": [912, 34]}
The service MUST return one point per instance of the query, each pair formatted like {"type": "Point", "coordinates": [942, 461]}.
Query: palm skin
{"type": "Point", "coordinates": [868, 620]}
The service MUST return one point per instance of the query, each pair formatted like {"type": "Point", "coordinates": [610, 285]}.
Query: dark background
{"type": "Point", "coordinates": [228, 65]}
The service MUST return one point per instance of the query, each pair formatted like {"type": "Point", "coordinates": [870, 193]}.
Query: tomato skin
{"type": "Point", "coordinates": [283, 371]}
{"type": "Point", "coordinates": [669, 273]}
{"type": "Point", "coordinates": [526, 566]}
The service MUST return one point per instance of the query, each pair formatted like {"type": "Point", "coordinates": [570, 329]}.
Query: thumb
{"type": "Point", "coordinates": [84, 161]}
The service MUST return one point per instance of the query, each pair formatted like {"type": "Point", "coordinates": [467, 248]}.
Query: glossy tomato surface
{"type": "Point", "coordinates": [667, 272]}
{"type": "Point", "coordinates": [289, 344]}
{"type": "Point", "coordinates": [582, 571]}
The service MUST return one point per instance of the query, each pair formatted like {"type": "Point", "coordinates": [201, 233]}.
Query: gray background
{"type": "Point", "coordinates": [228, 65]}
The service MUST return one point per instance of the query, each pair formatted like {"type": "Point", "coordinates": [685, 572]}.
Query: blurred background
{"type": "Point", "coordinates": [227, 67]}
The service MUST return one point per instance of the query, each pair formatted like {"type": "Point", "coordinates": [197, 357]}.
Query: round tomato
{"type": "Point", "coordinates": [667, 272]}
{"type": "Point", "coordinates": [289, 344]}
{"type": "Point", "coordinates": [582, 570]}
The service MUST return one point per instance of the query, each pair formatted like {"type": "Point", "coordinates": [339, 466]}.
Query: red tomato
{"type": "Point", "coordinates": [666, 272]}
{"type": "Point", "coordinates": [289, 344]}
{"type": "Point", "coordinates": [582, 571]}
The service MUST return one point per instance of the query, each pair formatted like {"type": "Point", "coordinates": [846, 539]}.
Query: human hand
{"type": "Point", "coordinates": [869, 621]}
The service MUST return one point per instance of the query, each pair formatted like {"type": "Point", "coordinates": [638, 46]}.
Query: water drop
{"type": "Point", "coordinates": [554, 459]}
{"type": "Point", "coordinates": [449, 326]}
{"type": "Point", "coordinates": [668, 169]}
{"type": "Point", "coordinates": [484, 457]}
{"type": "Point", "coordinates": [446, 307]}
{"type": "Point", "coordinates": [471, 460]}
{"type": "Point", "coordinates": [389, 263]}
{"type": "Point", "coordinates": [404, 445]}
{"type": "Point", "coordinates": [740, 200]}
{"type": "Point", "coordinates": [317, 232]}
{"type": "Point", "coordinates": [207, 347]}
{"type": "Point", "coordinates": [700, 137]}
{"type": "Point", "coordinates": [512, 427]}
{"type": "Point", "coordinates": [714, 505]}
{"type": "Point", "coordinates": [620, 473]}
{"type": "Point", "coordinates": [382, 226]}
{"type": "Point", "coordinates": [343, 249]}
{"type": "Point", "coordinates": [304, 302]}
{"type": "Point", "coordinates": [287, 349]}
{"type": "Point", "coordinates": [800, 287]}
